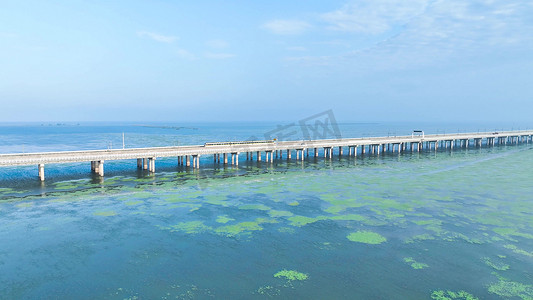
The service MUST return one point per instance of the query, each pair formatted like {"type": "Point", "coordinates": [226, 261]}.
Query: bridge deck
{"type": "Point", "coordinates": [235, 148]}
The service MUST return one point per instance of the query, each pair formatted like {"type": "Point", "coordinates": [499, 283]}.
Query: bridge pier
{"type": "Point", "coordinates": [41, 172]}
{"type": "Point", "coordinates": [151, 164]}
{"type": "Point", "coordinates": [235, 159]}
{"type": "Point", "coordinates": [99, 168]}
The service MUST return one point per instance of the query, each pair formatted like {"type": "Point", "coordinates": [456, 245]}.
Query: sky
{"type": "Point", "coordinates": [169, 60]}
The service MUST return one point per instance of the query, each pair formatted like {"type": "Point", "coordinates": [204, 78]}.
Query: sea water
{"type": "Point", "coordinates": [429, 225]}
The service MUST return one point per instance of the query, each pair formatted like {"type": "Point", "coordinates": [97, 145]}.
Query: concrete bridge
{"type": "Point", "coordinates": [270, 150]}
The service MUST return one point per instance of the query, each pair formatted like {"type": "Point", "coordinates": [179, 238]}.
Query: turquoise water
{"type": "Point", "coordinates": [446, 225]}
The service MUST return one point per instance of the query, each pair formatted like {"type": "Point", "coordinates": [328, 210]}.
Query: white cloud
{"type": "Point", "coordinates": [374, 16]}
{"type": "Point", "coordinates": [157, 37]}
{"type": "Point", "coordinates": [219, 55]}
{"type": "Point", "coordinates": [286, 27]}
{"type": "Point", "coordinates": [182, 53]}
{"type": "Point", "coordinates": [217, 44]}
{"type": "Point", "coordinates": [445, 32]}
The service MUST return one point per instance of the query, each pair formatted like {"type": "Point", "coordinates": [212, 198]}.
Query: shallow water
{"type": "Point", "coordinates": [446, 225]}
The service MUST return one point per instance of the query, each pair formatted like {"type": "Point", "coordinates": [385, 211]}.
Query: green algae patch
{"type": "Point", "coordinates": [280, 213]}
{"type": "Point", "coordinates": [367, 237]}
{"type": "Point", "coordinates": [300, 221]}
{"type": "Point", "coordinates": [350, 217]}
{"type": "Point", "coordinates": [506, 288]}
{"type": "Point", "coordinates": [428, 222]}
{"type": "Point", "coordinates": [254, 207]}
{"type": "Point", "coordinates": [518, 250]}
{"type": "Point", "coordinates": [450, 295]}
{"type": "Point", "coordinates": [291, 275]}
{"type": "Point", "coordinates": [221, 200]}
{"type": "Point", "coordinates": [294, 203]}
{"type": "Point", "coordinates": [108, 213]}
{"type": "Point", "coordinates": [66, 186]}
{"type": "Point", "coordinates": [286, 230]}
{"type": "Point", "coordinates": [414, 264]}
{"type": "Point", "coordinates": [508, 232]}
{"type": "Point", "coordinates": [192, 227]}
{"type": "Point", "coordinates": [224, 219]}
{"type": "Point", "coordinates": [335, 209]}
{"type": "Point", "coordinates": [239, 228]}
{"type": "Point", "coordinates": [268, 291]}
{"type": "Point", "coordinates": [419, 237]}
{"type": "Point", "coordinates": [24, 205]}
{"type": "Point", "coordinates": [495, 265]}
{"type": "Point", "coordinates": [132, 202]}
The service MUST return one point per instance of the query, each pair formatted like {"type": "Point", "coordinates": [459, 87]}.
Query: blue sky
{"type": "Point", "coordinates": [371, 60]}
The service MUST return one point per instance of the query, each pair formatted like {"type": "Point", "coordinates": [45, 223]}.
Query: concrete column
{"type": "Point", "coordinates": [145, 163]}
{"type": "Point", "coordinates": [93, 166]}
{"type": "Point", "coordinates": [316, 152]}
{"type": "Point", "coordinates": [303, 150]}
{"type": "Point", "coordinates": [187, 160]}
{"type": "Point", "coordinates": [272, 156]}
{"type": "Point", "coordinates": [289, 154]}
{"type": "Point", "coordinates": [258, 155]}
{"type": "Point", "coordinates": [236, 159]}
{"type": "Point", "coordinates": [340, 151]}
{"type": "Point", "coordinates": [100, 167]}
{"type": "Point", "coordinates": [363, 149]}
{"type": "Point", "coordinates": [252, 155]}
{"type": "Point", "coordinates": [41, 172]}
